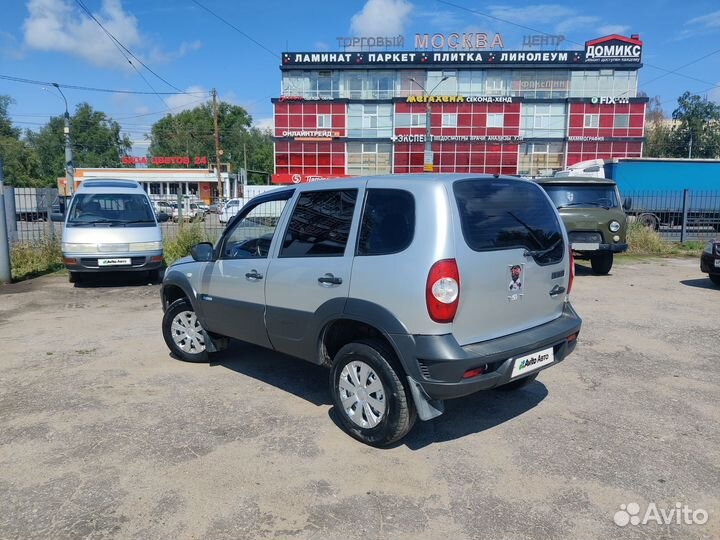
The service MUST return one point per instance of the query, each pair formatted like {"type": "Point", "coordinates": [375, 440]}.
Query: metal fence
{"type": "Point", "coordinates": [680, 215]}
{"type": "Point", "coordinates": [27, 211]}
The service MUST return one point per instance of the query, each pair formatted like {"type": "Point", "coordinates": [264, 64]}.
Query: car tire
{"type": "Point", "coordinates": [366, 377]}
{"type": "Point", "coordinates": [715, 278]}
{"type": "Point", "coordinates": [601, 263]}
{"type": "Point", "coordinates": [180, 317]}
{"type": "Point", "coordinates": [520, 383]}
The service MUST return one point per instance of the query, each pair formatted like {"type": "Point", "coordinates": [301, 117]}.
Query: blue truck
{"type": "Point", "coordinates": [662, 190]}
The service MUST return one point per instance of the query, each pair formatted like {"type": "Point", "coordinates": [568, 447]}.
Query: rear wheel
{"type": "Point", "coordinates": [649, 220]}
{"type": "Point", "coordinates": [373, 404]}
{"type": "Point", "coordinates": [520, 383]}
{"type": "Point", "coordinates": [601, 263]}
{"type": "Point", "coordinates": [715, 278]}
{"type": "Point", "coordinates": [183, 333]}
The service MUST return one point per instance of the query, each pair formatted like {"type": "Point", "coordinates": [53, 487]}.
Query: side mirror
{"type": "Point", "coordinates": [627, 203]}
{"type": "Point", "coordinates": [57, 217]}
{"type": "Point", "coordinates": [202, 252]}
{"type": "Point", "coordinates": [162, 217]}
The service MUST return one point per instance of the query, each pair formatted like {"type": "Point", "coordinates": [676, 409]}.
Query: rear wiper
{"type": "Point", "coordinates": [583, 203]}
{"type": "Point", "coordinates": [526, 226]}
{"type": "Point", "coordinates": [540, 252]}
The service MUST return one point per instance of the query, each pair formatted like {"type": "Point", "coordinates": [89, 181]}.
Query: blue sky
{"type": "Point", "coordinates": [53, 40]}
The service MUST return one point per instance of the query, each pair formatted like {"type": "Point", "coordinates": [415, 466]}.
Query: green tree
{"type": "Point", "coordinates": [19, 161]}
{"type": "Point", "coordinates": [658, 140]}
{"type": "Point", "coordinates": [96, 142]}
{"type": "Point", "coordinates": [697, 133]}
{"type": "Point", "coordinates": [191, 133]}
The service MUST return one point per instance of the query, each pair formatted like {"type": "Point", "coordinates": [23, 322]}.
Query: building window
{"type": "Point", "coordinates": [541, 83]}
{"type": "Point", "coordinates": [471, 83]}
{"type": "Point", "coordinates": [621, 121]}
{"type": "Point", "coordinates": [154, 188]}
{"type": "Point", "coordinates": [542, 120]}
{"type": "Point", "coordinates": [409, 120]}
{"type": "Point", "coordinates": [497, 83]}
{"type": "Point", "coordinates": [605, 82]}
{"type": "Point", "coordinates": [592, 120]}
{"type": "Point", "coordinates": [173, 188]}
{"type": "Point", "coordinates": [540, 159]}
{"type": "Point", "coordinates": [495, 120]}
{"type": "Point", "coordinates": [368, 158]}
{"type": "Point", "coordinates": [369, 120]}
{"type": "Point", "coordinates": [440, 87]}
{"type": "Point", "coordinates": [449, 120]}
{"type": "Point", "coordinates": [408, 82]}
{"type": "Point", "coordinates": [324, 121]}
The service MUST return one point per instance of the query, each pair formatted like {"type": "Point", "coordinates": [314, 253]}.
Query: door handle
{"type": "Point", "coordinates": [253, 275]}
{"type": "Point", "coordinates": [329, 279]}
{"type": "Point", "coordinates": [557, 289]}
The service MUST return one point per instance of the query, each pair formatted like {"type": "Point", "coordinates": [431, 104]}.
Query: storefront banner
{"type": "Point", "coordinates": [301, 178]}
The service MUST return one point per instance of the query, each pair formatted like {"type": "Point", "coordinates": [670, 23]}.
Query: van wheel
{"type": "Point", "coordinates": [183, 333]}
{"type": "Point", "coordinates": [520, 383]}
{"type": "Point", "coordinates": [601, 263]}
{"type": "Point", "coordinates": [373, 404]}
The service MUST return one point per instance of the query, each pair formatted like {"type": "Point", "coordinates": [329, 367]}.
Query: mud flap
{"type": "Point", "coordinates": [215, 344]}
{"type": "Point", "coordinates": [427, 408]}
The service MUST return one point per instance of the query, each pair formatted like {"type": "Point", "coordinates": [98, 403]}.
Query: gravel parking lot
{"type": "Point", "coordinates": [103, 435]}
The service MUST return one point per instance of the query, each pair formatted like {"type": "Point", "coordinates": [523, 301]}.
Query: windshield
{"type": "Point", "coordinates": [582, 196]}
{"type": "Point", "coordinates": [93, 209]}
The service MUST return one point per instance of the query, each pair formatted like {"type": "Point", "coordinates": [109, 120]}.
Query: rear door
{"type": "Point", "coordinates": [309, 279]}
{"type": "Point", "coordinates": [511, 255]}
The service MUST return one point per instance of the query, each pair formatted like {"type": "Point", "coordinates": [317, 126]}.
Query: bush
{"type": "Point", "coordinates": [644, 240]}
{"type": "Point", "coordinates": [29, 259]}
{"type": "Point", "coordinates": [188, 234]}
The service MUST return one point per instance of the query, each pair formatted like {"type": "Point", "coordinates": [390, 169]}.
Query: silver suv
{"type": "Point", "coordinates": [411, 289]}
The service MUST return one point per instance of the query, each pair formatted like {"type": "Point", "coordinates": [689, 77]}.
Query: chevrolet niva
{"type": "Point", "coordinates": [412, 289]}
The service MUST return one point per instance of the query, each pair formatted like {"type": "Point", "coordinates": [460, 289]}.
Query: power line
{"type": "Point", "coordinates": [256, 42]}
{"type": "Point", "coordinates": [93, 89]}
{"type": "Point", "coordinates": [123, 47]}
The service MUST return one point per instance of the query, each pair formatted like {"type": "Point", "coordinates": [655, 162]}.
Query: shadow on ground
{"type": "Point", "coordinates": [700, 283]}
{"type": "Point", "coordinates": [465, 416]}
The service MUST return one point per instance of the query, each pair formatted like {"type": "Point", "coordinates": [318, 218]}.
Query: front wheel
{"type": "Point", "coordinates": [601, 263]}
{"type": "Point", "coordinates": [715, 278]}
{"type": "Point", "coordinates": [183, 333]}
{"type": "Point", "coordinates": [372, 402]}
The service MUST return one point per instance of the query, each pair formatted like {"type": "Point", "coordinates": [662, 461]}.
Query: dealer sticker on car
{"type": "Point", "coordinates": [531, 362]}
{"type": "Point", "coordinates": [113, 262]}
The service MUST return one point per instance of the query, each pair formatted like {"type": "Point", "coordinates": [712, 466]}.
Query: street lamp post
{"type": "Point", "coordinates": [69, 168]}
{"type": "Point", "coordinates": [428, 160]}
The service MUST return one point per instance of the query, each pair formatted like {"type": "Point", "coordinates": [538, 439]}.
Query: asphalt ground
{"type": "Point", "coordinates": [104, 435]}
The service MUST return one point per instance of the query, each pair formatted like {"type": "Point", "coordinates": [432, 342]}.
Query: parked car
{"type": "Point", "coordinates": [593, 216]}
{"type": "Point", "coordinates": [411, 289]}
{"type": "Point", "coordinates": [710, 260]}
{"type": "Point", "coordinates": [229, 210]}
{"type": "Point", "coordinates": [111, 226]}
{"type": "Point", "coordinates": [190, 212]}
{"type": "Point", "coordinates": [162, 206]}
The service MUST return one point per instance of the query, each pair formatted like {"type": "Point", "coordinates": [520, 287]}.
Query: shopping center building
{"type": "Point", "coordinates": [527, 112]}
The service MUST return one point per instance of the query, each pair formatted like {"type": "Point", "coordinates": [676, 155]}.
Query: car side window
{"type": "Point", "coordinates": [388, 222]}
{"type": "Point", "coordinates": [251, 236]}
{"type": "Point", "coordinates": [320, 224]}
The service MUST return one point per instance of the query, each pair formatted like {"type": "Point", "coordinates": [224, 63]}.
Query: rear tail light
{"type": "Point", "coordinates": [442, 291]}
{"type": "Point", "coordinates": [572, 271]}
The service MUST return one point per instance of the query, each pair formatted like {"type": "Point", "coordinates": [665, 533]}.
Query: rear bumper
{"type": "Point", "coordinates": [437, 363]}
{"type": "Point", "coordinates": [139, 262]}
{"type": "Point", "coordinates": [707, 264]}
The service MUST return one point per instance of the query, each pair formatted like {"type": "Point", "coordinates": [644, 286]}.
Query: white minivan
{"type": "Point", "coordinates": [111, 226]}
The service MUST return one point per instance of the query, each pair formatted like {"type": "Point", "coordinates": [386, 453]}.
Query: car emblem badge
{"type": "Point", "coordinates": [515, 280]}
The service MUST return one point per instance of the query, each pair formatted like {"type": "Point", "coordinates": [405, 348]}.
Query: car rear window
{"type": "Point", "coordinates": [388, 222]}
{"type": "Point", "coordinates": [506, 214]}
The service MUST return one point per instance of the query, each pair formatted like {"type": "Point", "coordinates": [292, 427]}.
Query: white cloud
{"type": "Point", "coordinates": [534, 14]}
{"type": "Point", "coordinates": [381, 18]}
{"type": "Point", "coordinates": [264, 123]}
{"type": "Point", "coordinates": [321, 46]}
{"type": "Point", "coordinates": [709, 20]}
{"type": "Point", "coordinates": [609, 29]}
{"type": "Point", "coordinates": [441, 20]}
{"type": "Point", "coordinates": [189, 100]}
{"type": "Point", "coordinates": [571, 24]}
{"type": "Point", "coordinates": [60, 26]}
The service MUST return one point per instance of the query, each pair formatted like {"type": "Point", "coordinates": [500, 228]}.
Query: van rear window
{"type": "Point", "coordinates": [506, 214]}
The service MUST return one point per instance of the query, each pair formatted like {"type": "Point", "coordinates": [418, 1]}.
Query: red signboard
{"type": "Point", "coordinates": [164, 160]}
{"type": "Point", "coordinates": [301, 178]}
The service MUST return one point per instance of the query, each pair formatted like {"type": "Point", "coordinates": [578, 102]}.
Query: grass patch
{"type": "Point", "coordinates": [32, 259]}
{"type": "Point", "coordinates": [646, 242]}
{"type": "Point", "coordinates": [187, 236]}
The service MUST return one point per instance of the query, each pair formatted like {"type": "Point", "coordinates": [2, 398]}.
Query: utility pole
{"type": "Point", "coordinates": [690, 147]}
{"type": "Point", "coordinates": [428, 159]}
{"type": "Point", "coordinates": [217, 146]}
{"type": "Point", "coordinates": [242, 189]}
{"type": "Point", "coordinates": [5, 275]}
{"type": "Point", "coordinates": [69, 167]}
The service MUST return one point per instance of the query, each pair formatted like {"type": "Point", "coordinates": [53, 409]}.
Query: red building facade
{"type": "Point", "coordinates": [526, 113]}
